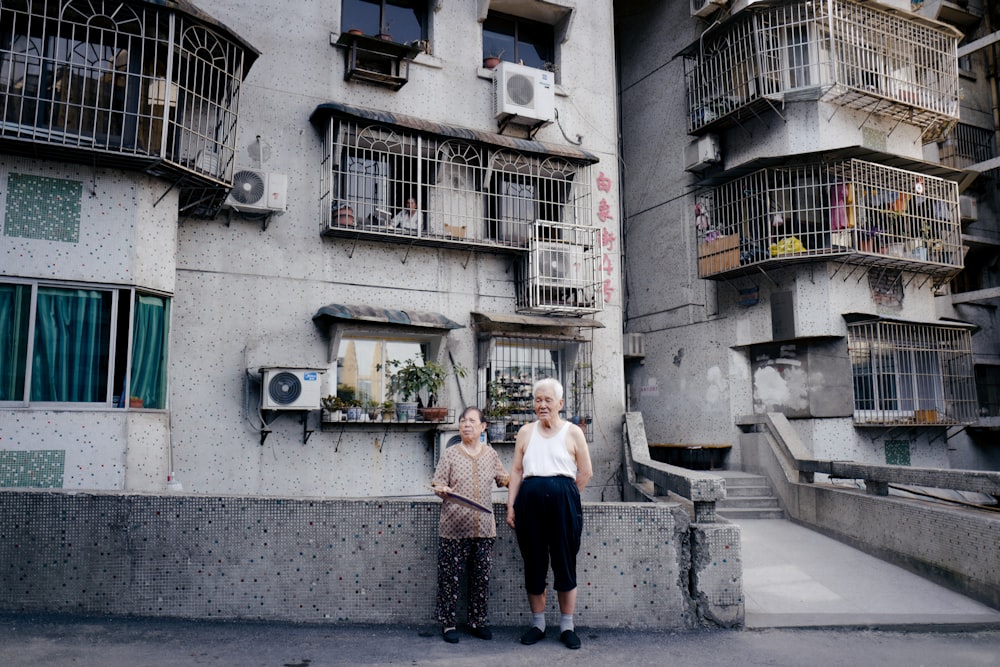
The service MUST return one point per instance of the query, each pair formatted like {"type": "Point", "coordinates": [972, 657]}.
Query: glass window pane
{"type": "Point", "coordinates": [361, 366]}
{"type": "Point", "coordinates": [15, 309]}
{"type": "Point", "coordinates": [363, 15]}
{"type": "Point", "coordinates": [72, 341]}
{"type": "Point", "coordinates": [149, 352]}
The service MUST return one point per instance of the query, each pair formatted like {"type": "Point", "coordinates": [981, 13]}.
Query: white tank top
{"type": "Point", "coordinates": [548, 457]}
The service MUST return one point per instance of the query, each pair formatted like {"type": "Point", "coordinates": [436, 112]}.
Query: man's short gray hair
{"type": "Point", "coordinates": [551, 384]}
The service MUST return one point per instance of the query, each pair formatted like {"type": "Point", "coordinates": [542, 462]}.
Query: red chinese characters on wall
{"type": "Point", "coordinates": [607, 238]}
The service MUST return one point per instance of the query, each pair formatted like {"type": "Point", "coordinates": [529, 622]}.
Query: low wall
{"type": "Point", "coordinates": [953, 547]}
{"type": "Point", "coordinates": [322, 561]}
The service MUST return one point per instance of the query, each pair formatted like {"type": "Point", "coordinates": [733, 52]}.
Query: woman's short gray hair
{"type": "Point", "coordinates": [551, 384]}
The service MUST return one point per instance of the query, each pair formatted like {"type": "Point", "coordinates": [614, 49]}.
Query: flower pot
{"type": "Point", "coordinates": [496, 431]}
{"type": "Point", "coordinates": [406, 412]}
{"type": "Point", "coordinates": [434, 414]}
{"type": "Point", "coordinates": [134, 402]}
{"type": "Point", "coordinates": [491, 62]}
{"type": "Point", "coordinates": [354, 31]}
{"type": "Point", "coordinates": [354, 414]}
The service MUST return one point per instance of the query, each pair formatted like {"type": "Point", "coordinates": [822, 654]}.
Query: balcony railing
{"type": "Point", "coordinates": [139, 87]}
{"type": "Point", "coordinates": [386, 183]}
{"type": "Point", "coordinates": [912, 373]}
{"type": "Point", "coordinates": [852, 211]}
{"type": "Point", "coordinates": [856, 55]}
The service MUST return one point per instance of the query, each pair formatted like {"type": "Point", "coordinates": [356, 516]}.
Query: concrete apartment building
{"type": "Point", "coordinates": [206, 233]}
{"type": "Point", "coordinates": [815, 184]}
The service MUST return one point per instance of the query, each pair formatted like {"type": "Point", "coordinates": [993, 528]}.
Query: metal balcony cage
{"type": "Point", "coordinates": [561, 271]}
{"type": "Point", "coordinates": [907, 373]}
{"type": "Point", "coordinates": [856, 212]}
{"type": "Point", "coordinates": [509, 367]}
{"type": "Point", "coordinates": [856, 55]}
{"type": "Point", "coordinates": [388, 183]}
{"type": "Point", "coordinates": [124, 84]}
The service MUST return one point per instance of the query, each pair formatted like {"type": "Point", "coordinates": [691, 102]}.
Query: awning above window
{"type": "Point", "coordinates": [860, 318]}
{"type": "Point", "coordinates": [377, 315]}
{"type": "Point", "coordinates": [488, 320]}
{"type": "Point", "coordinates": [325, 111]}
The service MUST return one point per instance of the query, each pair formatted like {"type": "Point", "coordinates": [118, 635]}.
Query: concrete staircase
{"type": "Point", "coordinates": [748, 496]}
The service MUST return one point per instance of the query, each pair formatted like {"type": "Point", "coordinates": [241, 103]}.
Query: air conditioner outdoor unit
{"type": "Point", "coordinates": [703, 8]}
{"type": "Point", "coordinates": [968, 208]}
{"type": "Point", "coordinates": [257, 191]}
{"type": "Point", "coordinates": [523, 95]}
{"type": "Point", "coordinates": [291, 388]}
{"type": "Point", "coordinates": [634, 346]}
{"type": "Point", "coordinates": [702, 153]}
{"type": "Point", "coordinates": [561, 275]}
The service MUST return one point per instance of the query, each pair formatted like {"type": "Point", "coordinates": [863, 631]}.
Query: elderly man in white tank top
{"type": "Point", "coordinates": [551, 467]}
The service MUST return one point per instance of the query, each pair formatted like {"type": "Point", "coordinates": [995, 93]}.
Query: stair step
{"type": "Point", "coordinates": [736, 515]}
{"type": "Point", "coordinates": [738, 503]}
{"type": "Point", "coordinates": [747, 491]}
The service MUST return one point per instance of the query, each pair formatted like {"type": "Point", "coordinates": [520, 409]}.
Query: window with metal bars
{"type": "Point", "coordinates": [463, 193]}
{"type": "Point", "coordinates": [861, 211]}
{"type": "Point", "coordinates": [908, 373]}
{"type": "Point", "coordinates": [857, 55]}
{"type": "Point", "coordinates": [510, 365]}
{"type": "Point", "coordinates": [967, 145]}
{"type": "Point", "coordinates": [121, 78]}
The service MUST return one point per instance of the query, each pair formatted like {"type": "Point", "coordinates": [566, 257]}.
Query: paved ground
{"type": "Point", "coordinates": [809, 601]}
{"type": "Point", "coordinates": [56, 641]}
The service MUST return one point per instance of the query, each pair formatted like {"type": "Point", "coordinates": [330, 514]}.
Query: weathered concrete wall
{"type": "Point", "coordinates": [953, 547]}
{"type": "Point", "coordinates": [322, 561]}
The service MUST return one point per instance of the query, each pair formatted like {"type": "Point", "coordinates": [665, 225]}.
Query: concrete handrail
{"type": "Point", "coordinates": [703, 489]}
{"type": "Point", "coordinates": [876, 477]}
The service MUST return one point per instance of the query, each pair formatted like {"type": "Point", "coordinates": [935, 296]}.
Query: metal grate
{"type": "Point", "coordinates": [123, 80]}
{"type": "Point", "coordinates": [907, 373]}
{"type": "Point", "coordinates": [561, 272]}
{"type": "Point", "coordinates": [385, 182]}
{"type": "Point", "coordinates": [510, 365]}
{"type": "Point", "coordinates": [967, 145]}
{"type": "Point", "coordinates": [859, 212]}
{"type": "Point", "coordinates": [856, 55]}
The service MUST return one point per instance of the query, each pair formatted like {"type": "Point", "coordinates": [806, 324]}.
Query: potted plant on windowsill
{"type": "Point", "coordinates": [492, 60]}
{"type": "Point", "coordinates": [333, 406]}
{"type": "Point", "coordinates": [498, 407]}
{"type": "Point", "coordinates": [410, 382]}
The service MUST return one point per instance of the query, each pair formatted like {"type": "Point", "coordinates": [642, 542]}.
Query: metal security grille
{"type": "Point", "coordinates": [561, 272]}
{"type": "Point", "coordinates": [510, 365]}
{"type": "Point", "coordinates": [967, 145]}
{"type": "Point", "coordinates": [387, 182]}
{"type": "Point", "coordinates": [126, 80]}
{"type": "Point", "coordinates": [860, 212]}
{"type": "Point", "coordinates": [907, 373]}
{"type": "Point", "coordinates": [857, 55]}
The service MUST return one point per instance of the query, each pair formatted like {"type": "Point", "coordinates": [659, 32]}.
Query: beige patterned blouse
{"type": "Point", "coordinates": [473, 477]}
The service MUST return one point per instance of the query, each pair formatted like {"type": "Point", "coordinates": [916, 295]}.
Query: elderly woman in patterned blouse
{"type": "Point", "coordinates": [466, 535]}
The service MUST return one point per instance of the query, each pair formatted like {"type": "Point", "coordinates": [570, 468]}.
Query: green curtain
{"type": "Point", "coordinates": [15, 308]}
{"type": "Point", "coordinates": [72, 340]}
{"type": "Point", "coordinates": [149, 350]}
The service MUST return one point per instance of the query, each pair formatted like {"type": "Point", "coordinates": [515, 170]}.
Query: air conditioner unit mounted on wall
{"type": "Point", "coordinates": [257, 191]}
{"type": "Point", "coordinates": [291, 388]}
{"type": "Point", "coordinates": [703, 8]}
{"type": "Point", "coordinates": [968, 208]}
{"type": "Point", "coordinates": [523, 95]}
{"type": "Point", "coordinates": [702, 153]}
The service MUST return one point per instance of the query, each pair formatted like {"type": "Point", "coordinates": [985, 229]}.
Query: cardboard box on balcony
{"type": "Point", "coordinates": [718, 255]}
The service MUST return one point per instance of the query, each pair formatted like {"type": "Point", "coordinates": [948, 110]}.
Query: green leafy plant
{"type": "Point", "coordinates": [498, 400]}
{"type": "Point", "coordinates": [407, 379]}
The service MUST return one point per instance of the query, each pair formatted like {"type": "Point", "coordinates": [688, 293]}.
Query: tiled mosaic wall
{"type": "Point", "coordinates": [36, 469]}
{"type": "Point", "coordinates": [44, 208]}
{"type": "Point", "coordinates": [311, 561]}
